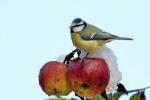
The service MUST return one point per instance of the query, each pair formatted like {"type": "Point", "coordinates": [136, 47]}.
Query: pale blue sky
{"type": "Point", "coordinates": [33, 32]}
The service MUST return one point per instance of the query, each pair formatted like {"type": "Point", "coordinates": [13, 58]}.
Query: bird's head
{"type": "Point", "coordinates": [77, 25]}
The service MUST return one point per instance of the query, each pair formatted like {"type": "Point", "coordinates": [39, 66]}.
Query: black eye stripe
{"type": "Point", "coordinates": [77, 25]}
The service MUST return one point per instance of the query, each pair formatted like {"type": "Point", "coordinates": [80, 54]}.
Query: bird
{"type": "Point", "coordinates": [89, 38]}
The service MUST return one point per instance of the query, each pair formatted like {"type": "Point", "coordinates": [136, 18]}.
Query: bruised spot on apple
{"type": "Point", "coordinates": [88, 77]}
{"type": "Point", "coordinates": [53, 79]}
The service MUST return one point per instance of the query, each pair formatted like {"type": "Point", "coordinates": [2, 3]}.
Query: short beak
{"type": "Point", "coordinates": [70, 27]}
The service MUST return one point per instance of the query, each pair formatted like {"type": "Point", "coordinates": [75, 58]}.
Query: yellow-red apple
{"type": "Point", "coordinates": [88, 77]}
{"type": "Point", "coordinates": [53, 79]}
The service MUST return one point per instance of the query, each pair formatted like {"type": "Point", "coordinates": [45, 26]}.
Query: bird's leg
{"type": "Point", "coordinates": [104, 95]}
{"type": "Point", "coordinates": [78, 52]}
{"type": "Point", "coordinates": [69, 56]}
{"type": "Point", "coordinates": [82, 98]}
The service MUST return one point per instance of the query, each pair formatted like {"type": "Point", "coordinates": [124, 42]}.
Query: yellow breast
{"type": "Point", "coordinates": [84, 45]}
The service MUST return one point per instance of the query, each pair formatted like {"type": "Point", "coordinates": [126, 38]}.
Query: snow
{"type": "Point", "coordinates": [108, 55]}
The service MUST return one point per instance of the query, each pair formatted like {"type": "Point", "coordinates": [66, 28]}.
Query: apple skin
{"type": "Point", "coordinates": [88, 77]}
{"type": "Point", "coordinates": [53, 79]}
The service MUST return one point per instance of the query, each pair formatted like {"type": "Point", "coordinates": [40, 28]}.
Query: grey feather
{"type": "Point", "coordinates": [102, 35]}
{"type": "Point", "coordinates": [122, 38]}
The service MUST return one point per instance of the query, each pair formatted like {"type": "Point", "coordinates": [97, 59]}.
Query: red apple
{"type": "Point", "coordinates": [88, 77]}
{"type": "Point", "coordinates": [53, 79]}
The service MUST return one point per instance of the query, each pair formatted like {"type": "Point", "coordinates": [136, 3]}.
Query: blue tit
{"type": "Point", "coordinates": [89, 38]}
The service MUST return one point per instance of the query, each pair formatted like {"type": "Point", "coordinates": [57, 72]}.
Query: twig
{"type": "Point", "coordinates": [138, 90]}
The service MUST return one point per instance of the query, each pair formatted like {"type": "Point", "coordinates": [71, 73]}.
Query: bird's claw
{"type": "Point", "coordinates": [68, 58]}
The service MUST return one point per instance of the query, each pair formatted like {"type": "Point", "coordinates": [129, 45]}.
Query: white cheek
{"type": "Point", "coordinates": [78, 29]}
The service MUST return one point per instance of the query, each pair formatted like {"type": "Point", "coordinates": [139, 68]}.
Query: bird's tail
{"type": "Point", "coordinates": [122, 38]}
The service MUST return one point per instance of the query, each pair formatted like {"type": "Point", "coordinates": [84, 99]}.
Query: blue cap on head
{"type": "Point", "coordinates": [77, 20]}
{"type": "Point", "coordinates": [77, 25]}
